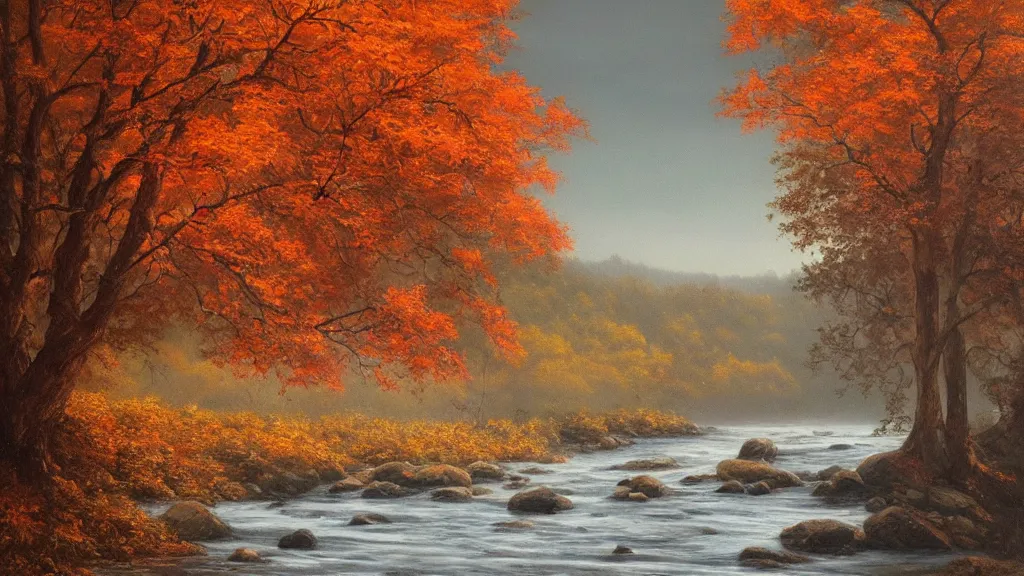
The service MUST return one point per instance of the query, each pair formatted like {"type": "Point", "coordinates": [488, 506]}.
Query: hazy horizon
{"type": "Point", "coordinates": [667, 183]}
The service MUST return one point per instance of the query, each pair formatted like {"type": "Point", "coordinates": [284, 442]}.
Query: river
{"type": "Point", "coordinates": [694, 531]}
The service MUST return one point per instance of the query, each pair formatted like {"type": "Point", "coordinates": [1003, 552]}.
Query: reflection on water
{"type": "Point", "coordinates": [692, 532]}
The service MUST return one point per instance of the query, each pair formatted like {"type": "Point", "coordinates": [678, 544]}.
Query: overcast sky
{"type": "Point", "coordinates": [667, 183]}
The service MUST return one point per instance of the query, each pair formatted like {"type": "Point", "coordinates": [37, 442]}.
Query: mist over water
{"type": "Point", "coordinates": [670, 535]}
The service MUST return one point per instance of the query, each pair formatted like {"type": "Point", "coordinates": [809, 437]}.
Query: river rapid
{"type": "Point", "coordinates": [694, 531]}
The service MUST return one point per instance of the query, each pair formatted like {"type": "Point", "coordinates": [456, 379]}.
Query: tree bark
{"type": "Point", "coordinates": [29, 424]}
{"type": "Point", "coordinates": [958, 442]}
{"type": "Point", "coordinates": [926, 441]}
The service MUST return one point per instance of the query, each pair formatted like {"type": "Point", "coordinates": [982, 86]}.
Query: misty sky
{"type": "Point", "coordinates": [667, 183]}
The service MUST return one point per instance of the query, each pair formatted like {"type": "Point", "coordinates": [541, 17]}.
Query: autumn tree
{"type": "Point", "coordinates": [887, 111]}
{"type": "Point", "coordinates": [312, 183]}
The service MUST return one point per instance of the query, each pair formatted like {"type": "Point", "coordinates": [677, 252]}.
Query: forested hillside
{"type": "Point", "coordinates": [600, 335]}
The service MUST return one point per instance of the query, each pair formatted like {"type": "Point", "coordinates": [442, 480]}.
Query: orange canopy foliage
{"type": "Point", "coordinates": [296, 176]}
{"type": "Point", "coordinates": [899, 127]}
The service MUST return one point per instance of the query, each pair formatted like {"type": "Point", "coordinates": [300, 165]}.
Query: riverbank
{"type": "Point", "coordinates": [115, 454]}
{"type": "Point", "coordinates": [690, 528]}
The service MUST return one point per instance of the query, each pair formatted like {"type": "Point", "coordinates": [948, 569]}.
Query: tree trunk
{"type": "Point", "coordinates": [31, 417]}
{"type": "Point", "coordinates": [927, 440]}
{"type": "Point", "coordinates": [27, 438]}
{"type": "Point", "coordinates": [958, 444]}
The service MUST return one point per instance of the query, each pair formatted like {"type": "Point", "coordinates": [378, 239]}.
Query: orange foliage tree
{"type": "Point", "coordinates": [900, 167]}
{"type": "Point", "coordinates": [314, 183]}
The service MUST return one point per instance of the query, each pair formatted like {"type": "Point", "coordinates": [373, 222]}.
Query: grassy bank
{"type": "Point", "coordinates": [117, 452]}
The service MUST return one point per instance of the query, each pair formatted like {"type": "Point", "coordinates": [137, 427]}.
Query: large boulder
{"type": "Point", "coordinates": [964, 532]}
{"type": "Point", "coordinates": [646, 485]}
{"type": "Point", "coordinates": [663, 463]}
{"type": "Point", "coordinates": [540, 500]}
{"type": "Point", "coordinates": [882, 471]}
{"type": "Point", "coordinates": [349, 484]}
{"type": "Point", "coordinates": [401, 473]}
{"type": "Point", "coordinates": [823, 537]}
{"type": "Point", "coordinates": [193, 522]}
{"type": "Point", "coordinates": [876, 504]}
{"type": "Point", "coordinates": [485, 471]}
{"type": "Point", "coordinates": [749, 472]}
{"type": "Point", "coordinates": [452, 494]}
{"type": "Point", "coordinates": [897, 528]}
{"type": "Point", "coordinates": [757, 557]}
{"type": "Point", "coordinates": [758, 449]}
{"type": "Point", "coordinates": [298, 540]}
{"type": "Point", "coordinates": [844, 484]}
{"type": "Point", "coordinates": [384, 490]}
{"type": "Point", "coordinates": [441, 475]}
{"type": "Point", "coordinates": [950, 502]}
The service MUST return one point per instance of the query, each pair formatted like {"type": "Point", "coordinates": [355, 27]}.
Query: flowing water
{"type": "Point", "coordinates": [692, 532]}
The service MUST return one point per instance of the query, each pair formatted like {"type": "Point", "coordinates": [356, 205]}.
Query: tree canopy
{"type": "Point", "coordinates": [310, 182]}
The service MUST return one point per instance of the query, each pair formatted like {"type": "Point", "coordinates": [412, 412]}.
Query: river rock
{"type": "Point", "coordinates": [368, 519]}
{"type": "Point", "coordinates": [844, 484]}
{"type": "Point", "coordinates": [950, 502]}
{"type": "Point", "coordinates": [620, 549]}
{"type": "Point", "coordinates": [758, 449]}
{"type": "Point", "coordinates": [613, 442]}
{"type": "Point", "coordinates": [621, 493]}
{"type": "Point", "coordinates": [823, 537]}
{"type": "Point", "coordinates": [247, 555]}
{"type": "Point", "coordinates": [513, 525]}
{"type": "Point", "coordinates": [698, 478]}
{"type": "Point", "coordinates": [441, 475]}
{"type": "Point", "coordinates": [663, 463]}
{"type": "Point", "coordinates": [289, 483]}
{"type": "Point", "coordinates": [349, 484]}
{"type": "Point", "coordinates": [298, 540]}
{"type": "Point", "coordinates": [540, 500]}
{"type": "Point", "coordinates": [365, 475]}
{"type": "Point", "coordinates": [481, 491]}
{"type": "Point", "coordinates": [646, 485]}
{"type": "Point", "coordinates": [193, 522]}
{"type": "Point", "coordinates": [379, 489]}
{"type": "Point", "coordinates": [400, 473]}
{"type": "Point", "coordinates": [876, 504]}
{"type": "Point", "coordinates": [516, 482]}
{"type": "Point", "coordinates": [881, 471]}
{"type": "Point", "coordinates": [964, 532]}
{"type": "Point", "coordinates": [452, 494]}
{"type": "Point", "coordinates": [731, 487]}
{"type": "Point", "coordinates": [638, 497]}
{"type": "Point", "coordinates": [747, 472]}
{"type": "Point", "coordinates": [841, 447]}
{"type": "Point", "coordinates": [897, 528]}
{"type": "Point", "coordinates": [485, 472]}
{"type": "Point", "coordinates": [535, 470]}
{"type": "Point", "coordinates": [759, 489]}
{"type": "Point", "coordinates": [826, 474]}
{"type": "Point", "coordinates": [757, 557]}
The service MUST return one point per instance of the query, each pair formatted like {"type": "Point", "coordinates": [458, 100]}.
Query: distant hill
{"type": "Point", "coordinates": [616, 266]}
